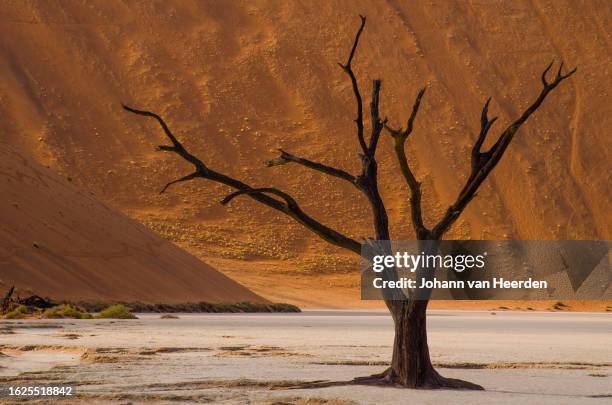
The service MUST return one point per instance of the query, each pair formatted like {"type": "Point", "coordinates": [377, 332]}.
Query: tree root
{"type": "Point", "coordinates": [439, 382]}
{"type": "Point", "coordinates": [384, 378]}
{"type": "Point", "coordinates": [388, 379]}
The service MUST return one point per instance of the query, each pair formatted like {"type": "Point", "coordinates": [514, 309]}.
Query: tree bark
{"type": "Point", "coordinates": [411, 364]}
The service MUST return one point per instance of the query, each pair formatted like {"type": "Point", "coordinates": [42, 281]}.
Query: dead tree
{"type": "Point", "coordinates": [411, 365]}
{"type": "Point", "coordinates": [6, 302]}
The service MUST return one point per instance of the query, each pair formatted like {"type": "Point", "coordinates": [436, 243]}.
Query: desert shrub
{"type": "Point", "coordinates": [65, 311]}
{"type": "Point", "coordinates": [116, 311]}
{"type": "Point", "coordinates": [19, 312]}
{"type": "Point", "coordinates": [14, 315]}
{"type": "Point", "coordinates": [189, 307]}
{"type": "Point", "coordinates": [285, 308]}
{"type": "Point", "coordinates": [89, 306]}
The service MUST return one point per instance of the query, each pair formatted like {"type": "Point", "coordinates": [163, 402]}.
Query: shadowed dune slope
{"type": "Point", "coordinates": [59, 241]}
{"type": "Point", "coordinates": [237, 80]}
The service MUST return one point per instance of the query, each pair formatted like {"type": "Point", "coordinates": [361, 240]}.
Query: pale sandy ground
{"type": "Point", "coordinates": [543, 358]}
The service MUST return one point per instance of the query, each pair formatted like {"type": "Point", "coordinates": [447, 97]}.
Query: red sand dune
{"type": "Point", "coordinates": [59, 241]}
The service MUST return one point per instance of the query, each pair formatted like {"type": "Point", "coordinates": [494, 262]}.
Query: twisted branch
{"type": "Point", "coordinates": [288, 205]}
{"type": "Point", "coordinates": [290, 201]}
{"type": "Point", "coordinates": [482, 170]}
{"type": "Point", "coordinates": [400, 136]}
{"type": "Point", "coordinates": [348, 69]}
{"type": "Point", "coordinates": [286, 157]}
{"type": "Point", "coordinates": [480, 158]}
{"type": "Point", "coordinates": [184, 178]}
{"type": "Point", "coordinates": [377, 123]}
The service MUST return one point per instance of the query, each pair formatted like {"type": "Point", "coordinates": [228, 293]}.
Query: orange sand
{"type": "Point", "coordinates": [60, 242]}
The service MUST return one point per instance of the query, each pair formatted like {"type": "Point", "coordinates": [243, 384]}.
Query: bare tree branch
{"type": "Point", "coordinates": [286, 157]}
{"type": "Point", "coordinates": [410, 122]}
{"type": "Point", "coordinates": [290, 201]}
{"type": "Point", "coordinates": [176, 147]}
{"type": "Point", "coordinates": [478, 157]}
{"type": "Point", "coordinates": [377, 123]}
{"type": "Point", "coordinates": [184, 178]}
{"type": "Point", "coordinates": [288, 206]}
{"type": "Point", "coordinates": [349, 71]}
{"type": "Point", "coordinates": [484, 167]}
{"type": "Point", "coordinates": [400, 137]}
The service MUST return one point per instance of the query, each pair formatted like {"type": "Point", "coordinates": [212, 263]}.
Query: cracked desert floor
{"type": "Point", "coordinates": [531, 357]}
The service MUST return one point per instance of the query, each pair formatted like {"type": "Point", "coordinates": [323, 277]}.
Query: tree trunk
{"type": "Point", "coordinates": [410, 364]}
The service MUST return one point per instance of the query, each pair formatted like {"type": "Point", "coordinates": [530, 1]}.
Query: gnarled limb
{"type": "Point", "coordinates": [481, 172]}
{"type": "Point", "coordinates": [410, 123]}
{"type": "Point", "coordinates": [377, 123]}
{"type": "Point", "coordinates": [480, 158]}
{"type": "Point", "coordinates": [349, 71]}
{"type": "Point", "coordinates": [285, 158]}
{"type": "Point", "coordinates": [290, 201]}
{"type": "Point", "coordinates": [291, 209]}
{"type": "Point", "coordinates": [399, 137]}
{"type": "Point", "coordinates": [368, 179]}
{"type": "Point", "coordinates": [188, 177]}
{"type": "Point", "coordinates": [176, 147]}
